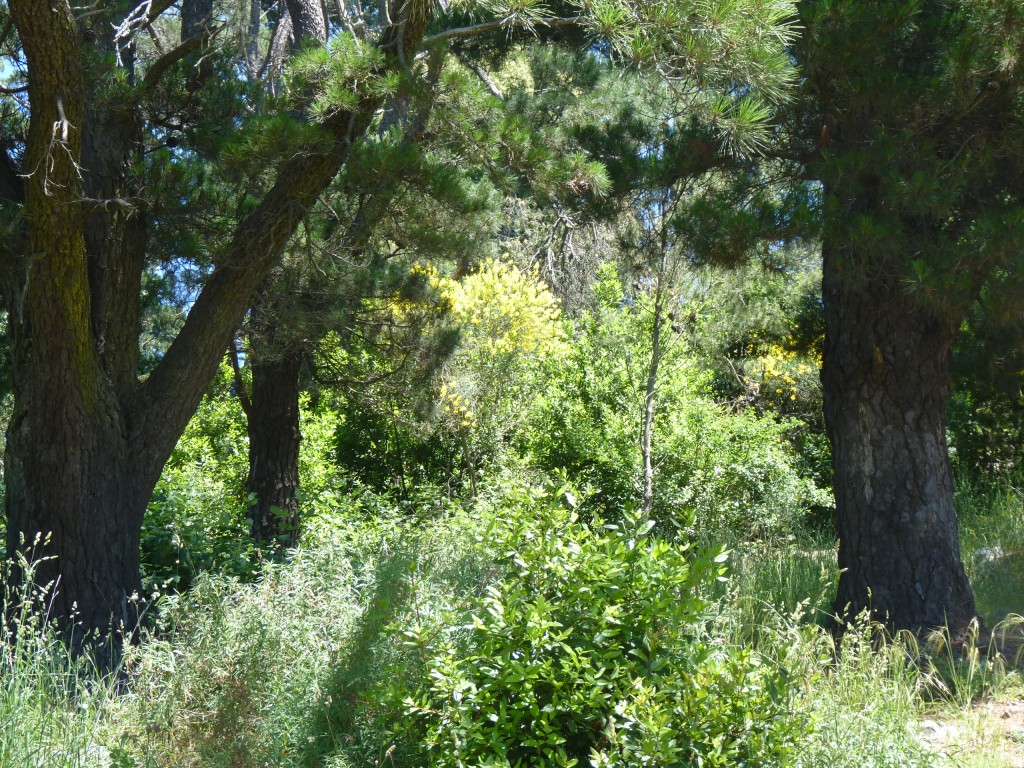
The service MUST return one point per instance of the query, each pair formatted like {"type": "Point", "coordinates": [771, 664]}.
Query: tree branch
{"type": "Point", "coordinates": [481, 73]}
{"type": "Point", "coordinates": [169, 397]}
{"type": "Point", "coordinates": [159, 67]}
{"type": "Point", "coordinates": [491, 26]}
{"type": "Point", "coordinates": [94, 204]}
{"type": "Point", "coordinates": [141, 17]}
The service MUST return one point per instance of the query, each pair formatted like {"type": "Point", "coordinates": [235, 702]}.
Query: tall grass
{"type": "Point", "coordinates": [767, 583]}
{"type": "Point", "coordinates": [991, 514]}
{"type": "Point", "coordinates": [283, 672]}
{"type": "Point", "coordinates": [861, 695]}
{"type": "Point", "coordinates": [277, 672]}
{"type": "Point", "coordinates": [865, 702]}
{"type": "Point", "coordinates": [51, 705]}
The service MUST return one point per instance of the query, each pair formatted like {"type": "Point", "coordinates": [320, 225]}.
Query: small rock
{"type": "Point", "coordinates": [988, 555]}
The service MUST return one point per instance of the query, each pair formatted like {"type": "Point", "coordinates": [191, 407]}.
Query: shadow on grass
{"type": "Point", "coordinates": [349, 720]}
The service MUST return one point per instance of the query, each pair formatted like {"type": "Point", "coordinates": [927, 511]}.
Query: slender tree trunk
{"type": "Point", "coordinates": [252, 44]}
{"type": "Point", "coordinates": [273, 410]}
{"type": "Point", "coordinates": [197, 17]}
{"type": "Point", "coordinates": [886, 386]}
{"type": "Point", "coordinates": [274, 439]}
{"type": "Point", "coordinates": [650, 401]}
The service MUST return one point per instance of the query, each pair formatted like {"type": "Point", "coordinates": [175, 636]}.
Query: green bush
{"type": "Point", "coordinates": [590, 650]}
{"type": "Point", "coordinates": [735, 473]}
{"type": "Point", "coordinates": [195, 521]}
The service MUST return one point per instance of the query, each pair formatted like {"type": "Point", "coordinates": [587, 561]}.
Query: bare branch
{"type": "Point", "coordinates": [95, 204]}
{"type": "Point", "coordinates": [492, 26]}
{"type": "Point", "coordinates": [140, 18]}
{"type": "Point", "coordinates": [176, 54]}
{"type": "Point", "coordinates": [156, 39]}
{"type": "Point", "coordinates": [481, 73]}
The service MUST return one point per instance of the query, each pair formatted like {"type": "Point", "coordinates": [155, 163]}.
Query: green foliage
{"type": "Point", "coordinates": [196, 520]}
{"type": "Point", "coordinates": [986, 413]}
{"type": "Point", "coordinates": [938, 158]}
{"type": "Point", "coordinates": [866, 708]}
{"type": "Point", "coordinates": [241, 667]}
{"type": "Point", "coordinates": [286, 671]}
{"type": "Point", "coordinates": [591, 650]}
{"type": "Point", "coordinates": [991, 515]}
{"type": "Point", "coordinates": [315, 663]}
{"type": "Point", "coordinates": [725, 473]}
{"type": "Point", "coordinates": [510, 327]}
{"type": "Point", "coordinates": [52, 704]}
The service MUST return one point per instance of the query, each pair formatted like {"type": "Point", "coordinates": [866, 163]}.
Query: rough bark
{"type": "Point", "coordinates": [115, 235]}
{"type": "Point", "coordinates": [69, 474]}
{"type": "Point", "coordinates": [886, 387]}
{"type": "Point", "coordinates": [196, 15]}
{"type": "Point", "coordinates": [87, 443]}
{"type": "Point", "coordinates": [252, 43]}
{"type": "Point", "coordinates": [309, 25]}
{"type": "Point", "coordinates": [274, 438]}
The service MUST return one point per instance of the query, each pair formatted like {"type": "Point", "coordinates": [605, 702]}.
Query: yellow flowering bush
{"type": "Point", "coordinates": [504, 311]}
{"type": "Point", "coordinates": [782, 375]}
{"type": "Point", "coordinates": [510, 323]}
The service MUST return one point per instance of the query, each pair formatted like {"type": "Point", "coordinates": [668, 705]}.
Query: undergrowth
{"type": "Point", "coordinates": [371, 648]}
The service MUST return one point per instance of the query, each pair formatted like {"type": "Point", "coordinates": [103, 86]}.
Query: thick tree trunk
{"type": "Point", "coordinates": [75, 495]}
{"type": "Point", "coordinates": [308, 22]}
{"type": "Point", "coordinates": [87, 442]}
{"type": "Point", "coordinates": [886, 387]}
{"type": "Point", "coordinates": [196, 15]}
{"type": "Point", "coordinates": [75, 501]}
{"type": "Point", "coordinates": [274, 437]}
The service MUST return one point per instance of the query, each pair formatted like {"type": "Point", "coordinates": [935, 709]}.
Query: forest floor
{"type": "Point", "coordinates": [990, 735]}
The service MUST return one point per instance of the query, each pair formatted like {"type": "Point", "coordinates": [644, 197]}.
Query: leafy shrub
{"type": "Point", "coordinates": [196, 519]}
{"type": "Point", "coordinates": [591, 650]}
{"type": "Point", "coordinates": [510, 323]}
{"type": "Point", "coordinates": [732, 473]}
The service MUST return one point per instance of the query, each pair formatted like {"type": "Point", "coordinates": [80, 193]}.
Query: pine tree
{"type": "Point", "coordinates": [129, 143]}
{"type": "Point", "coordinates": [911, 119]}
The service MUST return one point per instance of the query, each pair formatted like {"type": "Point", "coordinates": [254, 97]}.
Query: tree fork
{"type": "Point", "coordinates": [85, 447]}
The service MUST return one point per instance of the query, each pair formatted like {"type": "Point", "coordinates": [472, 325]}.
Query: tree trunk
{"type": "Point", "coordinates": [274, 437]}
{"type": "Point", "coordinates": [650, 398]}
{"type": "Point", "coordinates": [886, 386]}
{"type": "Point", "coordinates": [308, 22]}
{"type": "Point", "coordinates": [75, 502]}
{"type": "Point", "coordinates": [87, 441]}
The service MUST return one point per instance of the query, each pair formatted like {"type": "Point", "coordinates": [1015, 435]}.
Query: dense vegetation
{"type": "Point", "coordinates": [511, 383]}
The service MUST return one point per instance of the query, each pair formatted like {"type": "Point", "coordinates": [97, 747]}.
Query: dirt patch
{"type": "Point", "coordinates": [991, 734]}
